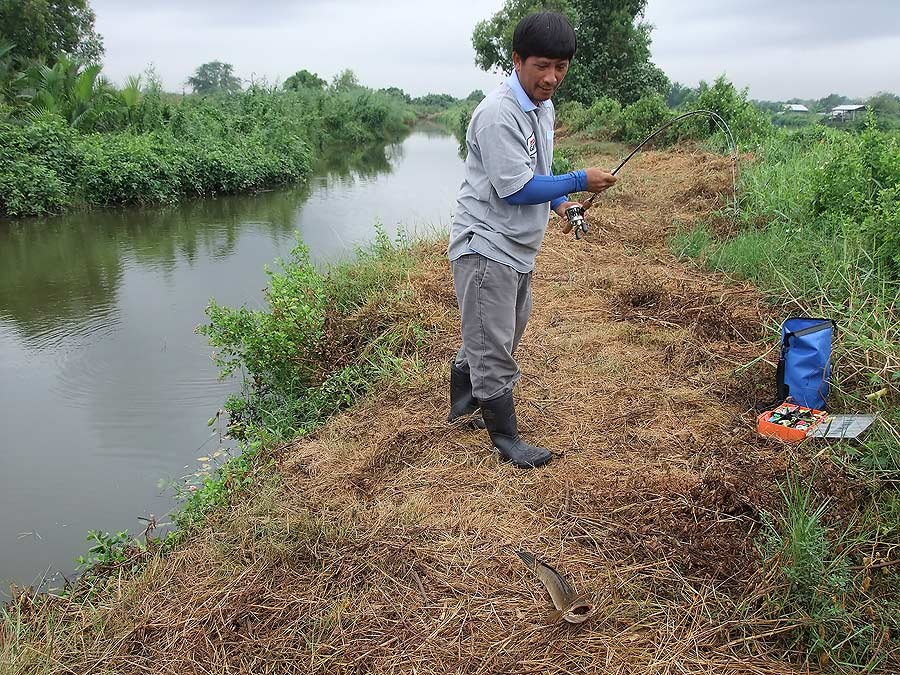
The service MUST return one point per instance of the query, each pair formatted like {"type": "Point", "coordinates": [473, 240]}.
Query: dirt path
{"type": "Point", "coordinates": [386, 544]}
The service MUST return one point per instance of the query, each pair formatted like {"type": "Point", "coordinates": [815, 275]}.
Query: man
{"type": "Point", "coordinates": [502, 211]}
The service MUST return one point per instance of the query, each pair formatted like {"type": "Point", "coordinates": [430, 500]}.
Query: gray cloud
{"type": "Point", "coordinates": [409, 44]}
{"type": "Point", "coordinates": [774, 22]}
{"type": "Point", "coordinates": [804, 48]}
{"type": "Point", "coordinates": [779, 49]}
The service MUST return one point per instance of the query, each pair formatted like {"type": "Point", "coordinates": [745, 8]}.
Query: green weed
{"type": "Point", "coordinates": [814, 584]}
{"type": "Point", "coordinates": [107, 549]}
{"type": "Point", "coordinates": [325, 339]}
{"type": "Point", "coordinates": [812, 206]}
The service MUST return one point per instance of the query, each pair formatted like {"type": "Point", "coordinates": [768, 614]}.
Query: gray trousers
{"type": "Point", "coordinates": [495, 303]}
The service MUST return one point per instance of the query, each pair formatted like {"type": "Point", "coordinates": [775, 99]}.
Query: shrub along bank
{"type": "Point", "coordinates": [163, 148]}
{"type": "Point", "coordinates": [607, 120]}
{"type": "Point", "coordinates": [324, 340]}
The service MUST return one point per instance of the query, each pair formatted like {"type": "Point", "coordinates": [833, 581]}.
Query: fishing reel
{"type": "Point", "coordinates": [575, 216]}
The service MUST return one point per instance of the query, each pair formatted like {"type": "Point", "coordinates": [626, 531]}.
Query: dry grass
{"type": "Point", "coordinates": [385, 542]}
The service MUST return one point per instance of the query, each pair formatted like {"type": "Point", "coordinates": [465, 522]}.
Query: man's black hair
{"type": "Point", "coordinates": [546, 34]}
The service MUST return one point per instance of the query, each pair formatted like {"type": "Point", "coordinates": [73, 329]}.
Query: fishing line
{"type": "Point", "coordinates": [722, 126]}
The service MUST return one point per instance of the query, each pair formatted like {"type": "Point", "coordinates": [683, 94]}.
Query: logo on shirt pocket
{"type": "Point", "coordinates": [532, 146]}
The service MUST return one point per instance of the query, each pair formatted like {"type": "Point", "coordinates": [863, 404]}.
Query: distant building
{"type": "Point", "coordinates": [846, 112]}
{"type": "Point", "coordinates": [795, 107]}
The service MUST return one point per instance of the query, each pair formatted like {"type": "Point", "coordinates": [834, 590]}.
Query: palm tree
{"type": "Point", "coordinates": [130, 98]}
{"type": "Point", "coordinates": [12, 80]}
{"type": "Point", "coordinates": [76, 95]}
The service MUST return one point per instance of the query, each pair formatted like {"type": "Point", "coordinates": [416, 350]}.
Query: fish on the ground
{"type": "Point", "coordinates": [570, 606]}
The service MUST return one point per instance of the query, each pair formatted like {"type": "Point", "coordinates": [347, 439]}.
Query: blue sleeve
{"type": "Point", "coordinates": [554, 203]}
{"type": "Point", "coordinates": [541, 189]}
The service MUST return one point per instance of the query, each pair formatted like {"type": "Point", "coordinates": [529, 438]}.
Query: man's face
{"type": "Point", "coordinates": [540, 76]}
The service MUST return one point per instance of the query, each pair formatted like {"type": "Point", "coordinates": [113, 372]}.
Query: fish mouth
{"type": "Point", "coordinates": [579, 612]}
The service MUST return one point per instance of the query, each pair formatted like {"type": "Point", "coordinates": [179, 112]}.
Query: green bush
{"type": "Point", "coordinates": [643, 117]}
{"type": "Point", "coordinates": [38, 163]}
{"type": "Point", "coordinates": [573, 115]}
{"type": "Point", "coordinates": [304, 357]}
{"type": "Point", "coordinates": [855, 191]}
{"type": "Point", "coordinates": [31, 189]}
{"type": "Point", "coordinates": [161, 150]}
{"type": "Point", "coordinates": [748, 124]}
{"type": "Point", "coordinates": [882, 228]}
{"type": "Point", "coordinates": [605, 120]}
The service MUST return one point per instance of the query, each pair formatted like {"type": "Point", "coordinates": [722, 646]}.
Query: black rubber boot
{"type": "Point", "coordinates": [463, 406]}
{"type": "Point", "coordinates": [500, 419]}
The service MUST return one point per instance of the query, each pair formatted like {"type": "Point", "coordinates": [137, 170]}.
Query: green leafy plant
{"type": "Point", "coordinates": [82, 142]}
{"type": "Point", "coordinates": [303, 358]}
{"type": "Point", "coordinates": [814, 578]}
{"type": "Point", "coordinates": [107, 549]}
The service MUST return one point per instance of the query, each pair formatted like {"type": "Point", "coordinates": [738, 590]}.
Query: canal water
{"type": "Point", "coordinates": [105, 388]}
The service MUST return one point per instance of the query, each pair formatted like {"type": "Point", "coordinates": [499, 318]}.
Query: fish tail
{"type": "Point", "coordinates": [527, 558]}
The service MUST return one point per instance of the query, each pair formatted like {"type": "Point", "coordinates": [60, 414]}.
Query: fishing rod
{"type": "Point", "coordinates": [575, 214]}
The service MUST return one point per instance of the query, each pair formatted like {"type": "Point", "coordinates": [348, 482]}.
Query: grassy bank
{"type": "Point", "coordinates": [819, 229]}
{"type": "Point", "coordinates": [159, 148]}
{"type": "Point", "coordinates": [819, 232]}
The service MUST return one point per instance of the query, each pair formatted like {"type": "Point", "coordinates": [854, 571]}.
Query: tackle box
{"type": "Point", "coordinates": [789, 421]}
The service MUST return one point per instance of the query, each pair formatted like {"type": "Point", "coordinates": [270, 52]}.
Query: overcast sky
{"type": "Point", "coordinates": [778, 48]}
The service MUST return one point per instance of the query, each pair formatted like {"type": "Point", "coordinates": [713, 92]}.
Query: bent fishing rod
{"type": "Point", "coordinates": [575, 214]}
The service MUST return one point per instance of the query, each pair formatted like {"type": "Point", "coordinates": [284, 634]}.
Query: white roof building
{"type": "Point", "coordinates": [795, 107]}
{"type": "Point", "coordinates": [846, 110]}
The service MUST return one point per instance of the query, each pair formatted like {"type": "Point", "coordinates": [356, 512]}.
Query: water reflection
{"type": "Point", "coordinates": [63, 271]}
{"type": "Point", "coordinates": [104, 386]}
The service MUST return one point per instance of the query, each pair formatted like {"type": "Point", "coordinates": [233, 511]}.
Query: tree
{"type": "Point", "coordinates": [435, 100]}
{"type": "Point", "coordinates": [214, 77]}
{"type": "Point", "coordinates": [831, 101]}
{"type": "Point", "coordinates": [476, 95]}
{"type": "Point", "coordinates": [613, 47]}
{"type": "Point", "coordinates": [44, 30]}
{"type": "Point", "coordinates": [885, 104]}
{"type": "Point", "coordinates": [492, 38]}
{"type": "Point", "coordinates": [396, 92]}
{"type": "Point", "coordinates": [66, 90]}
{"type": "Point", "coordinates": [303, 79]}
{"type": "Point", "coordinates": [345, 81]}
{"type": "Point", "coordinates": [678, 94]}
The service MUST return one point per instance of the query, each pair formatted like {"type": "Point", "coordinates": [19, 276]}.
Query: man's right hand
{"type": "Point", "coordinates": [599, 180]}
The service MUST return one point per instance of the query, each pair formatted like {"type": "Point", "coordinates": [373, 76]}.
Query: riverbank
{"type": "Point", "coordinates": [97, 314]}
{"type": "Point", "coordinates": [169, 148]}
{"type": "Point", "coordinates": [383, 542]}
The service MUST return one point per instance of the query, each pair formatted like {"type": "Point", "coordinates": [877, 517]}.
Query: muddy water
{"type": "Point", "coordinates": [105, 388]}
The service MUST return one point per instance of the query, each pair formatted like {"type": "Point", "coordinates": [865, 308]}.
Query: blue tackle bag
{"type": "Point", "coordinates": [804, 367]}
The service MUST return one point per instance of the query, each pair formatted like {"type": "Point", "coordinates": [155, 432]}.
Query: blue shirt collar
{"type": "Point", "coordinates": [525, 103]}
